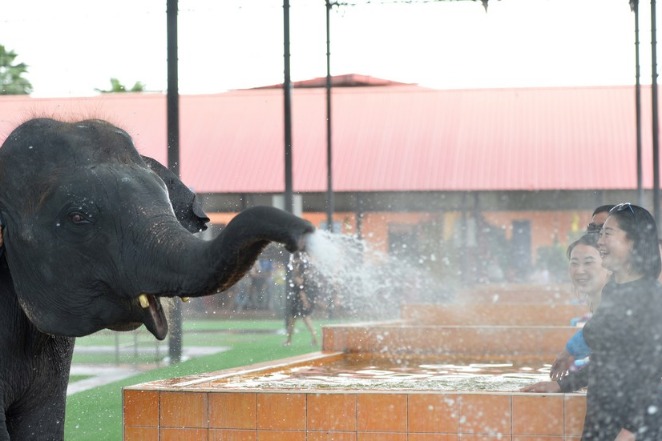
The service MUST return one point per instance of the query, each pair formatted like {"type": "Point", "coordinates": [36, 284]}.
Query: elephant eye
{"type": "Point", "coordinates": [78, 218]}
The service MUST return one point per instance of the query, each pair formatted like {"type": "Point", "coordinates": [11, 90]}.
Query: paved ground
{"type": "Point", "coordinates": [107, 373]}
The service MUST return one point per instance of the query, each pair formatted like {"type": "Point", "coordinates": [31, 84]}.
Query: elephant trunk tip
{"type": "Point", "coordinates": [302, 243]}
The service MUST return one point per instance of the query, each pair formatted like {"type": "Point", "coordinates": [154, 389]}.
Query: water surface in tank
{"type": "Point", "coordinates": [358, 373]}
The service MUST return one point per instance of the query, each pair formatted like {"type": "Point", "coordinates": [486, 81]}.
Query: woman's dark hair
{"type": "Point", "coordinates": [640, 227]}
{"type": "Point", "coordinates": [603, 209]}
{"type": "Point", "coordinates": [587, 239]}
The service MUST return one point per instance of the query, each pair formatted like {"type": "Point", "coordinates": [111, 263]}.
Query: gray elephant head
{"type": "Point", "coordinates": [92, 240]}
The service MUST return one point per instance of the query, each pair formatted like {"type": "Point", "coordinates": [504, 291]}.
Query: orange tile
{"type": "Point", "coordinates": [361, 340]}
{"type": "Point", "coordinates": [183, 409]}
{"type": "Point", "coordinates": [333, 339]}
{"type": "Point", "coordinates": [233, 410]}
{"type": "Point", "coordinates": [331, 436]}
{"type": "Point", "coordinates": [383, 436]}
{"type": "Point", "coordinates": [574, 412]}
{"type": "Point", "coordinates": [485, 414]}
{"type": "Point", "coordinates": [433, 413]}
{"type": "Point", "coordinates": [381, 412]}
{"type": "Point", "coordinates": [433, 437]}
{"type": "Point", "coordinates": [470, 437]}
{"type": "Point", "coordinates": [272, 435]}
{"type": "Point", "coordinates": [335, 412]}
{"type": "Point", "coordinates": [232, 435]}
{"type": "Point", "coordinates": [141, 408]}
{"type": "Point", "coordinates": [536, 438]}
{"type": "Point", "coordinates": [141, 434]}
{"type": "Point", "coordinates": [184, 434]}
{"type": "Point", "coordinates": [286, 411]}
{"type": "Point", "coordinates": [538, 415]}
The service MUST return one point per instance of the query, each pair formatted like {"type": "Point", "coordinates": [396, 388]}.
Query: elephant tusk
{"type": "Point", "coordinates": [186, 299]}
{"type": "Point", "coordinates": [144, 301]}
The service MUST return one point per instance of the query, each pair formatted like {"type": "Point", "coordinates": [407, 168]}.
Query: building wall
{"type": "Point", "coordinates": [470, 241]}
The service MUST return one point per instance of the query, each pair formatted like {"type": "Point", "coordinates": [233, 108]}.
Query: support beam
{"type": "Point", "coordinates": [175, 340]}
{"type": "Point", "coordinates": [287, 99]}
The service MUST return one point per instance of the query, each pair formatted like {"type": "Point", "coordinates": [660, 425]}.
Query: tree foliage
{"type": "Point", "coordinates": [117, 87]}
{"type": "Point", "coordinates": [11, 74]}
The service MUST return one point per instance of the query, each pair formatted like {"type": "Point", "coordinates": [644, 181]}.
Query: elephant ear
{"type": "Point", "coordinates": [185, 203]}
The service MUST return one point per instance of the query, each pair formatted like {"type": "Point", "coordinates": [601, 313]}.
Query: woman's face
{"type": "Point", "coordinates": [615, 247]}
{"type": "Point", "coordinates": [586, 270]}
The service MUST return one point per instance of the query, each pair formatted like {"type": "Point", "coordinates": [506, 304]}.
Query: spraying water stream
{"type": "Point", "coordinates": [368, 282]}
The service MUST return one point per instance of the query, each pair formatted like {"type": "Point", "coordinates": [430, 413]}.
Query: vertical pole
{"type": "Point", "coordinates": [656, 140]}
{"type": "Point", "coordinates": [634, 5]}
{"type": "Point", "coordinates": [287, 95]}
{"type": "Point", "coordinates": [329, 157]}
{"type": "Point", "coordinates": [287, 100]}
{"type": "Point", "coordinates": [175, 342]}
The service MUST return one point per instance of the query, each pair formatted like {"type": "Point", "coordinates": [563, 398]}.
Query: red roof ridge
{"type": "Point", "coordinates": [344, 80]}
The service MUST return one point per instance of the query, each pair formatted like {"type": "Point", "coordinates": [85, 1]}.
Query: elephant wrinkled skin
{"type": "Point", "coordinates": [88, 227]}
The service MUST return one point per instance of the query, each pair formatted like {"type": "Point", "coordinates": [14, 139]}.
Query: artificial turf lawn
{"type": "Point", "coordinates": [96, 414]}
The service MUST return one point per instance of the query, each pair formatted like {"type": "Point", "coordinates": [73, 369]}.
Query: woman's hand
{"type": "Point", "coordinates": [561, 365]}
{"type": "Point", "coordinates": [625, 435]}
{"type": "Point", "coordinates": [543, 387]}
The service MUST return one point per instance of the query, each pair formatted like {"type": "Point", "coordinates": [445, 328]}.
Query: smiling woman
{"type": "Point", "coordinates": [586, 270]}
{"type": "Point", "coordinates": [629, 243]}
{"type": "Point", "coordinates": [588, 278]}
{"type": "Point", "coordinates": [625, 333]}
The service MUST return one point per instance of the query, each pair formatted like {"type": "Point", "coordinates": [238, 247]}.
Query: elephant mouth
{"type": "Point", "coordinates": [153, 316]}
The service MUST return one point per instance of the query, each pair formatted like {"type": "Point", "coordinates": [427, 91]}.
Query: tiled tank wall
{"type": "Point", "coordinates": [153, 415]}
{"type": "Point", "coordinates": [520, 323]}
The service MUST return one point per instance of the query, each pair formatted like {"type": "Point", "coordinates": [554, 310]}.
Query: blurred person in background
{"type": "Point", "coordinates": [300, 299]}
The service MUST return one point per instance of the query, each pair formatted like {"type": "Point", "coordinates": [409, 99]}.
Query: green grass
{"type": "Point", "coordinates": [96, 414]}
{"type": "Point", "coordinates": [74, 378]}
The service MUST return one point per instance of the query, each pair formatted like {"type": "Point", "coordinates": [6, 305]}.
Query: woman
{"type": "Point", "coordinates": [625, 332]}
{"type": "Point", "coordinates": [588, 277]}
{"type": "Point", "coordinates": [586, 271]}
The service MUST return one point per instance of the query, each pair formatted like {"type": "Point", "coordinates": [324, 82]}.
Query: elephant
{"type": "Point", "coordinates": [94, 236]}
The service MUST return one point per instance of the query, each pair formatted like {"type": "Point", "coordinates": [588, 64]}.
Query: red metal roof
{"type": "Point", "coordinates": [397, 138]}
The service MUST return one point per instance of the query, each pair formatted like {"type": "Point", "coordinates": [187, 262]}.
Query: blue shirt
{"type": "Point", "coordinates": [577, 347]}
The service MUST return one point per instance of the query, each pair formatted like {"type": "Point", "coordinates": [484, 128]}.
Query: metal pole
{"type": "Point", "coordinates": [656, 141]}
{"type": "Point", "coordinates": [634, 5]}
{"type": "Point", "coordinates": [329, 161]}
{"type": "Point", "coordinates": [175, 342]}
{"type": "Point", "coordinates": [287, 95]}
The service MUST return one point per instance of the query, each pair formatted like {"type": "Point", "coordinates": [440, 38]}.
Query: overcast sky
{"type": "Point", "coordinates": [75, 46]}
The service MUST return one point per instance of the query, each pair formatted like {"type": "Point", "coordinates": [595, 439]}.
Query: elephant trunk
{"type": "Point", "coordinates": [192, 267]}
{"type": "Point", "coordinates": [186, 266]}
